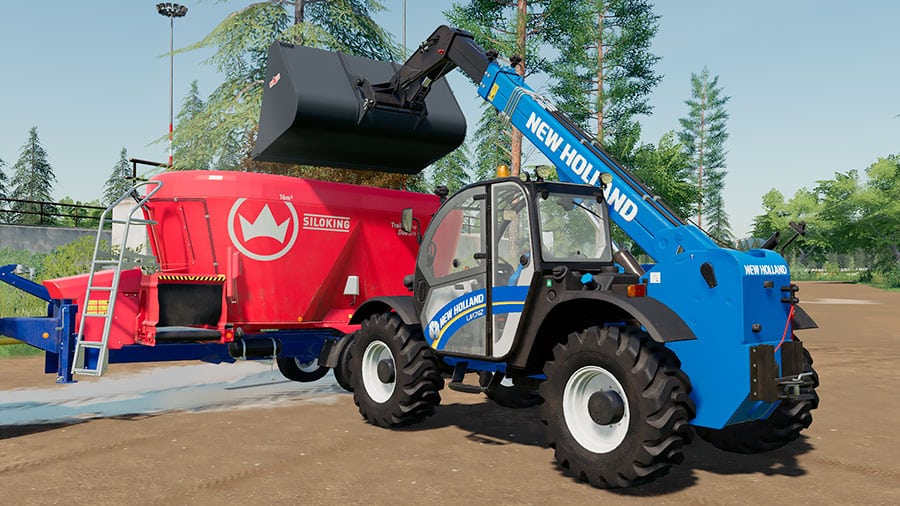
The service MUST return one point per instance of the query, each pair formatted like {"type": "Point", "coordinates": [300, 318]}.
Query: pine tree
{"type": "Point", "coordinates": [3, 192]}
{"type": "Point", "coordinates": [492, 144]}
{"type": "Point", "coordinates": [228, 122]}
{"type": "Point", "coordinates": [703, 134]}
{"type": "Point", "coordinates": [192, 152]}
{"type": "Point", "coordinates": [604, 74]}
{"type": "Point", "coordinates": [33, 179]}
{"type": "Point", "coordinates": [510, 27]}
{"type": "Point", "coordinates": [452, 170]}
{"type": "Point", "coordinates": [717, 218]}
{"type": "Point", "coordinates": [119, 179]}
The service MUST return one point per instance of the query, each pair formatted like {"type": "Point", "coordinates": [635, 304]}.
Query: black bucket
{"type": "Point", "coordinates": [313, 113]}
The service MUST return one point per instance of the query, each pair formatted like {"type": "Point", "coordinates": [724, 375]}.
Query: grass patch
{"type": "Point", "coordinates": [19, 350]}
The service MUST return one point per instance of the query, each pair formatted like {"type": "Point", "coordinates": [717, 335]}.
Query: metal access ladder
{"type": "Point", "coordinates": [87, 361]}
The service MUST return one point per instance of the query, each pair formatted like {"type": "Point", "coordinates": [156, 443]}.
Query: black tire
{"type": "Point", "coordinates": [415, 377]}
{"type": "Point", "coordinates": [295, 370]}
{"type": "Point", "coordinates": [645, 439]}
{"type": "Point", "coordinates": [783, 425]}
{"type": "Point", "coordinates": [342, 369]}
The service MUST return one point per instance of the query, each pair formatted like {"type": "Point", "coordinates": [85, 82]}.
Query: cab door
{"type": "Point", "coordinates": [512, 263]}
{"type": "Point", "coordinates": [451, 285]}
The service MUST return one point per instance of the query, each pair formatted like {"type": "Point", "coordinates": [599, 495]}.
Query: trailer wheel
{"type": "Point", "coordinates": [297, 370]}
{"type": "Point", "coordinates": [783, 425]}
{"type": "Point", "coordinates": [395, 375]}
{"type": "Point", "coordinates": [342, 369]}
{"type": "Point", "coordinates": [616, 407]}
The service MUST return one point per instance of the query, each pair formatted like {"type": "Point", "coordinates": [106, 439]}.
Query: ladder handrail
{"type": "Point", "coordinates": [78, 364]}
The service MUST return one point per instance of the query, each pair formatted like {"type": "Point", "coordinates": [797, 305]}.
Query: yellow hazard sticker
{"type": "Point", "coordinates": [96, 306]}
{"type": "Point", "coordinates": [493, 92]}
{"type": "Point", "coordinates": [187, 277]}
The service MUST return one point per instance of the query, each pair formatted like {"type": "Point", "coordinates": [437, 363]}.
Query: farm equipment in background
{"type": "Point", "coordinates": [521, 280]}
{"type": "Point", "coordinates": [249, 266]}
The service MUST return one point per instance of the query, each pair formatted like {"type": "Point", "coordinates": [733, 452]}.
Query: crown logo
{"type": "Point", "coordinates": [264, 226]}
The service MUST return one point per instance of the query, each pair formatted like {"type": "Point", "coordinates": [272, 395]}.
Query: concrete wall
{"type": "Point", "coordinates": [137, 234]}
{"type": "Point", "coordinates": [42, 239]}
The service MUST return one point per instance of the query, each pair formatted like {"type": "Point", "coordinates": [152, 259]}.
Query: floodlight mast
{"type": "Point", "coordinates": [171, 10]}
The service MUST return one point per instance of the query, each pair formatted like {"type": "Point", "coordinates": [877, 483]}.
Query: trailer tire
{"type": "Point", "coordinates": [342, 369]}
{"type": "Point", "coordinates": [304, 372]}
{"type": "Point", "coordinates": [783, 425]}
{"type": "Point", "coordinates": [616, 407]}
{"type": "Point", "coordinates": [395, 374]}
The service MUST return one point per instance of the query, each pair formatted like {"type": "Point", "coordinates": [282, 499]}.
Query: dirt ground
{"type": "Point", "coordinates": [319, 451]}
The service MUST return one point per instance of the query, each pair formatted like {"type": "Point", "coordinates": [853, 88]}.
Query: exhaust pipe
{"type": "Point", "coordinates": [254, 348]}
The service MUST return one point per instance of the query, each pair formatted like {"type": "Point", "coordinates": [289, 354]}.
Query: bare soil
{"type": "Point", "coordinates": [319, 451]}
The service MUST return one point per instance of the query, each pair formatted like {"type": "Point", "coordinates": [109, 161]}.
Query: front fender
{"type": "Point", "coordinates": [402, 305]}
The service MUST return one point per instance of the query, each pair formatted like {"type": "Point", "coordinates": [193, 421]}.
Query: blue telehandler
{"type": "Point", "coordinates": [520, 282]}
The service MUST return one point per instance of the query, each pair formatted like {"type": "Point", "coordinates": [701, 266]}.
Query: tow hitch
{"type": "Point", "coordinates": [769, 384]}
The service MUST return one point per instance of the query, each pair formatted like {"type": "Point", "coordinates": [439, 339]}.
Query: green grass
{"type": "Point", "coordinates": [19, 350]}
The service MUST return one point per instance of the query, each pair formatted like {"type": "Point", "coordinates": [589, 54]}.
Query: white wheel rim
{"type": "Point", "coordinates": [307, 367]}
{"type": "Point", "coordinates": [375, 352]}
{"type": "Point", "coordinates": [589, 434]}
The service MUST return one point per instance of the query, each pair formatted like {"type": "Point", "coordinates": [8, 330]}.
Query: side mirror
{"type": "Point", "coordinates": [406, 220]}
{"type": "Point", "coordinates": [406, 223]}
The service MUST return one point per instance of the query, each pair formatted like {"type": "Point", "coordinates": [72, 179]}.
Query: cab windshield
{"type": "Point", "coordinates": [573, 228]}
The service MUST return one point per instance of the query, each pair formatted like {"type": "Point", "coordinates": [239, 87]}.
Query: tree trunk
{"type": "Point", "coordinates": [600, 12]}
{"type": "Point", "coordinates": [516, 138]}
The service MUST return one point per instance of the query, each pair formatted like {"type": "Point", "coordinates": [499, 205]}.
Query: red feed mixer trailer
{"type": "Point", "coordinates": [249, 266]}
{"type": "Point", "coordinates": [254, 266]}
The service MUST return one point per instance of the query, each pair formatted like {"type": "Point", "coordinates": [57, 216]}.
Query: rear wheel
{"type": "Point", "coordinates": [616, 407]}
{"type": "Point", "coordinates": [395, 375]}
{"type": "Point", "coordinates": [297, 370]}
{"type": "Point", "coordinates": [783, 425]}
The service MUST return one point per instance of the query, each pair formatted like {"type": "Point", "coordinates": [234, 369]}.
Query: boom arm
{"type": "Point", "coordinates": [577, 156]}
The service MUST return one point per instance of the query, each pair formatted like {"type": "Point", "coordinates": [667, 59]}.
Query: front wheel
{"type": "Point", "coordinates": [297, 370]}
{"type": "Point", "coordinates": [783, 425]}
{"type": "Point", "coordinates": [396, 377]}
{"type": "Point", "coordinates": [616, 407]}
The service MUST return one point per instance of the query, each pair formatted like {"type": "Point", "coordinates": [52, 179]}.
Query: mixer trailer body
{"type": "Point", "coordinates": [247, 266]}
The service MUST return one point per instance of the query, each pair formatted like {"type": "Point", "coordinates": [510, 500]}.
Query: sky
{"type": "Point", "coordinates": [813, 83]}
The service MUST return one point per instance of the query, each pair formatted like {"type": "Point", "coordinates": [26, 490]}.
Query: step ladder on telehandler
{"type": "Point", "coordinates": [91, 356]}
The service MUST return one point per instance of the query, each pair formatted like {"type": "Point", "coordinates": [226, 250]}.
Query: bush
{"type": "Point", "coordinates": [889, 278]}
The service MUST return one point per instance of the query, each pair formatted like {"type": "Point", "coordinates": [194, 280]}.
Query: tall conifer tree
{"type": "Point", "coordinates": [118, 181]}
{"type": "Point", "coordinates": [512, 28]}
{"type": "Point", "coordinates": [33, 179]}
{"type": "Point", "coordinates": [703, 134]}
{"type": "Point", "coordinates": [192, 152]}
{"type": "Point", "coordinates": [604, 74]}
